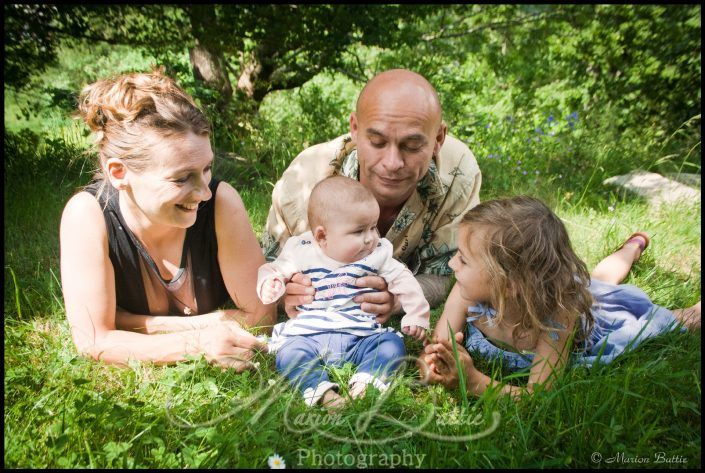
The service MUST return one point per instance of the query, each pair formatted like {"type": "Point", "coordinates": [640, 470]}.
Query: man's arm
{"type": "Point", "coordinates": [435, 288]}
{"type": "Point", "coordinates": [386, 305]}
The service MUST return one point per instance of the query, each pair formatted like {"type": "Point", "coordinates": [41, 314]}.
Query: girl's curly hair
{"type": "Point", "coordinates": [532, 266]}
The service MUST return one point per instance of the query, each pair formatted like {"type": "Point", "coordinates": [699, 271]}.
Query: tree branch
{"type": "Point", "coordinates": [522, 20]}
{"type": "Point", "coordinates": [351, 75]}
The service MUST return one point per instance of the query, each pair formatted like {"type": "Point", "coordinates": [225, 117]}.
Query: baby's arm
{"type": "Point", "coordinates": [272, 277]}
{"type": "Point", "coordinates": [270, 284]}
{"type": "Point", "coordinates": [417, 311]}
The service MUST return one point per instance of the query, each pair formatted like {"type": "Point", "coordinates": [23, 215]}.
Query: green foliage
{"type": "Point", "coordinates": [269, 47]}
{"type": "Point", "coordinates": [568, 94]}
{"type": "Point", "coordinates": [641, 59]}
{"type": "Point", "coordinates": [30, 41]}
{"type": "Point", "coordinates": [31, 156]}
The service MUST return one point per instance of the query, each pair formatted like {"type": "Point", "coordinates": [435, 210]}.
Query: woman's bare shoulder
{"type": "Point", "coordinates": [83, 212]}
{"type": "Point", "coordinates": [226, 196]}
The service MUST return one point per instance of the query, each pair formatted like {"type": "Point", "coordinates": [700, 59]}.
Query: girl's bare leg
{"type": "Point", "coordinates": [615, 267]}
{"type": "Point", "coordinates": [690, 316]}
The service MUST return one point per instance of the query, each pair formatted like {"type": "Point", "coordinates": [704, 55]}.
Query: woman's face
{"type": "Point", "coordinates": [169, 190]}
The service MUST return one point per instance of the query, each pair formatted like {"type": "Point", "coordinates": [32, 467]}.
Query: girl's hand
{"type": "Point", "coordinates": [440, 357]}
{"type": "Point", "coordinates": [427, 371]}
{"type": "Point", "coordinates": [415, 331]}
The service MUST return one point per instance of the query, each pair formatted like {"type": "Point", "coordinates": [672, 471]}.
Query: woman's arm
{"type": "Point", "coordinates": [88, 285]}
{"type": "Point", "coordinates": [240, 256]}
{"type": "Point", "coordinates": [153, 324]}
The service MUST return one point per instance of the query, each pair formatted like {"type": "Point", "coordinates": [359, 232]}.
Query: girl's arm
{"type": "Point", "coordinates": [444, 369]}
{"type": "Point", "coordinates": [240, 256]}
{"type": "Point", "coordinates": [550, 357]}
{"type": "Point", "coordinates": [88, 284]}
{"type": "Point", "coordinates": [454, 312]}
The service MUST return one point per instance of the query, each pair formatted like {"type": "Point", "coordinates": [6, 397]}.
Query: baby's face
{"type": "Point", "coordinates": [353, 235]}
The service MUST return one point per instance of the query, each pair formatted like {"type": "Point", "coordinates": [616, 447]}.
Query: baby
{"type": "Point", "coordinates": [344, 245]}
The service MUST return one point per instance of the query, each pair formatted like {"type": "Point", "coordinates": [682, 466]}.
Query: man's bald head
{"type": "Point", "coordinates": [400, 86]}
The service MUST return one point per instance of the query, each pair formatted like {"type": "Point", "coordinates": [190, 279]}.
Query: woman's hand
{"type": "Point", "coordinates": [228, 345]}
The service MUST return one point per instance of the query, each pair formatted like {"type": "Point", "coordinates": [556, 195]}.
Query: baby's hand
{"type": "Point", "coordinates": [415, 331]}
{"type": "Point", "coordinates": [270, 290]}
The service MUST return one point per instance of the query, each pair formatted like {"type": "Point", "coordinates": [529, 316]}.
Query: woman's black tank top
{"type": "Point", "coordinates": [200, 247]}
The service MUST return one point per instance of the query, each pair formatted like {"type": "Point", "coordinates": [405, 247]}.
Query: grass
{"type": "Point", "coordinates": [65, 411]}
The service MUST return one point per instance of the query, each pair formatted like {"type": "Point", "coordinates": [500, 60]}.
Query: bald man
{"type": "Point", "coordinates": [423, 179]}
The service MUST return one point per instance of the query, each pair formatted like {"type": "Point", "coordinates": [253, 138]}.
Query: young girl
{"type": "Point", "coordinates": [528, 299]}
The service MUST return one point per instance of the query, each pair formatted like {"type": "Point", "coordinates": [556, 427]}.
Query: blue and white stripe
{"type": "Point", "coordinates": [333, 308]}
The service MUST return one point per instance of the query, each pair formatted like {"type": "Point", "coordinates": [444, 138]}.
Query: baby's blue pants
{"type": "Point", "coordinates": [302, 358]}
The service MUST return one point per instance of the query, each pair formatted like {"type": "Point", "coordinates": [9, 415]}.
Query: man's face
{"type": "Point", "coordinates": [395, 139]}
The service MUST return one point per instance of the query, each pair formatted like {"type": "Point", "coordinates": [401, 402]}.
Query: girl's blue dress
{"type": "Point", "coordinates": [624, 317]}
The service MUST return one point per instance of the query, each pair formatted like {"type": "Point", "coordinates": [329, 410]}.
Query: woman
{"type": "Point", "coordinates": [152, 248]}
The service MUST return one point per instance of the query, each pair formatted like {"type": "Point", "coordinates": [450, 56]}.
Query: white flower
{"type": "Point", "coordinates": [610, 208]}
{"type": "Point", "coordinates": [276, 462]}
{"type": "Point", "coordinates": [271, 382]}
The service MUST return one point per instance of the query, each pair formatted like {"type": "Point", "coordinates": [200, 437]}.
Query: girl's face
{"type": "Point", "coordinates": [470, 271]}
{"type": "Point", "coordinates": [169, 191]}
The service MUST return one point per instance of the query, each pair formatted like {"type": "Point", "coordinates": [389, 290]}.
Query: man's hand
{"type": "Point", "coordinates": [383, 303]}
{"type": "Point", "coordinates": [299, 290]}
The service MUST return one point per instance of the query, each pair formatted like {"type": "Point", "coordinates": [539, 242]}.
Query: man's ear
{"type": "Point", "coordinates": [440, 138]}
{"type": "Point", "coordinates": [319, 233]}
{"type": "Point", "coordinates": [116, 171]}
{"type": "Point", "coordinates": [353, 127]}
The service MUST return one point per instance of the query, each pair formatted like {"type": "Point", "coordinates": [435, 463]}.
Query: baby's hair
{"type": "Point", "coordinates": [531, 263]}
{"type": "Point", "coordinates": [332, 195]}
{"type": "Point", "coordinates": [119, 110]}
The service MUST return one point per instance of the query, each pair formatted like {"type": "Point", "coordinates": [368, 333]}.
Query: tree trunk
{"type": "Point", "coordinates": [248, 76]}
{"type": "Point", "coordinates": [206, 56]}
{"type": "Point", "coordinates": [256, 70]}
